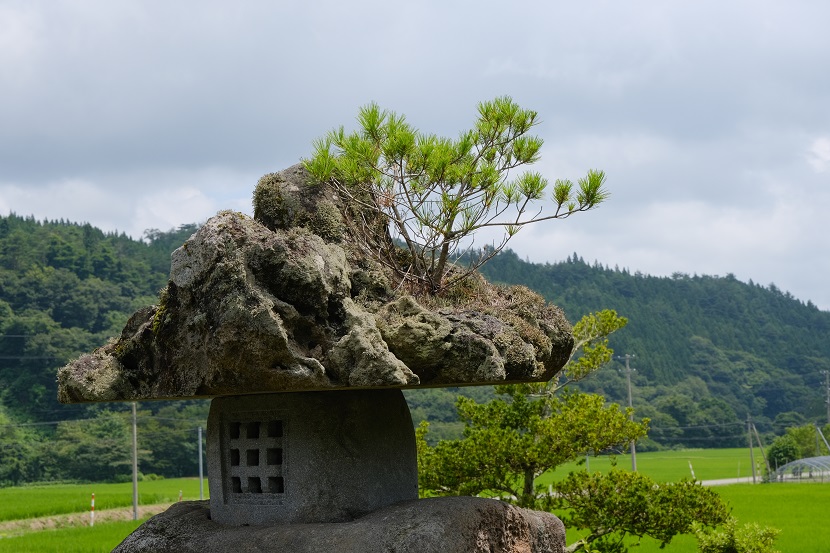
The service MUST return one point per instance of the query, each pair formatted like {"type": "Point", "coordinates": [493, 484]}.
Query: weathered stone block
{"type": "Point", "coordinates": [309, 457]}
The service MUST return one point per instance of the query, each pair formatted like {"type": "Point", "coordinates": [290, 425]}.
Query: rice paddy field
{"type": "Point", "coordinates": [797, 509]}
{"type": "Point", "coordinates": [671, 466]}
{"type": "Point", "coordinates": [100, 538]}
{"type": "Point", "coordinates": [40, 501]}
{"type": "Point", "coordinates": [55, 518]}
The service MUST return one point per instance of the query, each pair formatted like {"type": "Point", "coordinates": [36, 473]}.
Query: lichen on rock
{"type": "Point", "coordinates": [281, 302]}
{"type": "Point", "coordinates": [286, 200]}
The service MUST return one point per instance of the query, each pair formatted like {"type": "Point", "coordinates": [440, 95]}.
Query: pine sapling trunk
{"type": "Point", "coordinates": [528, 498]}
{"type": "Point", "coordinates": [437, 277]}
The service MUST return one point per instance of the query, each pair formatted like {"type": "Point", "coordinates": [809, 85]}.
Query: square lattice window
{"type": "Point", "coordinates": [255, 458]}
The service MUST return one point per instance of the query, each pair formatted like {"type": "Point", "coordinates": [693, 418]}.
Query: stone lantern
{"type": "Point", "coordinates": [305, 348]}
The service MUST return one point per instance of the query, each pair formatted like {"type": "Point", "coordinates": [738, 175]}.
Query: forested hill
{"type": "Point", "coordinates": [701, 342]}
{"type": "Point", "coordinates": [65, 289]}
{"type": "Point", "coordinates": [709, 350]}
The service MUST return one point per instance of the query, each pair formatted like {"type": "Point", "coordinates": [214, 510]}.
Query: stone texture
{"type": "Point", "coordinates": [436, 525]}
{"type": "Point", "coordinates": [309, 457]}
{"type": "Point", "coordinates": [253, 309]}
{"type": "Point", "coordinates": [285, 200]}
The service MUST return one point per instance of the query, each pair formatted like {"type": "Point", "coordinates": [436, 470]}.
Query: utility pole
{"type": "Point", "coordinates": [827, 393]}
{"type": "Point", "coordinates": [135, 466]}
{"type": "Point", "coordinates": [201, 478]}
{"type": "Point", "coordinates": [628, 370]}
{"type": "Point", "coordinates": [761, 449]}
{"type": "Point", "coordinates": [751, 452]}
{"type": "Point", "coordinates": [820, 433]}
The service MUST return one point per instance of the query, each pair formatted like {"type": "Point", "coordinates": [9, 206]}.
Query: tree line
{"type": "Point", "coordinates": [65, 289]}
{"type": "Point", "coordinates": [710, 351]}
{"type": "Point", "coordinates": [98, 447]}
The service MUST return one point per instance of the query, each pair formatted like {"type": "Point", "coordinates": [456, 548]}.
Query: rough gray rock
{"type": "Point", "coordinates": [285, 200]}
{"type": "Point", "coordinates": [436, 525]}
{"type": "Point", "coordinates": [252, 309]}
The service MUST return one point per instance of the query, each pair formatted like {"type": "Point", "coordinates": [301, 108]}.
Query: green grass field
{"type": "Point", "coordinates": [100, 538]}
{"type": "Point", "coordinates": [670, 466]}
{"type": "Point", "coordinates": [38, 501]}
{"type": "Point", "coordinates": [796, 509]}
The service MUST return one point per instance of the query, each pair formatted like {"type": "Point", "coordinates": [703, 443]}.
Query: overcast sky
{"type": "Point", "coordinates": [711, 119]}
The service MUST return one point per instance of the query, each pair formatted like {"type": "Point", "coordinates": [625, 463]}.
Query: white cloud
{"type": "Point", "coordinates": [21, 48]}
{"type": "Point", "coordinates": [135, 202]}
{"type": "Point", "coordinates": [709, 118]}
{"type": "Point", "coordinates": [572, 156]}
{"type": "Point", "coordinates": [85, 200]}
{"type": "Point", "coordinates": [818, 155]}
{"type": "Point", "coordinates": [765, 244]}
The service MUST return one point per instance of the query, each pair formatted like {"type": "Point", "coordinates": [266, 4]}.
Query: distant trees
{"type": "Point", "coordinates": [170, 437]}
{"type": "Point", "coordinates": [737, 349]}
{"type": "Point", "coordinates": [98, 447]}
{"type": "Point", "coordinates": [64, 290]}
{"type": "Point", "coordinates": [797, 443]}
{"type": "Point", "coordinates": [18, 452]}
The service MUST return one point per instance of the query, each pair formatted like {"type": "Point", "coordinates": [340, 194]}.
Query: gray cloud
{"type": "Point", "coordinates": [709, 118]}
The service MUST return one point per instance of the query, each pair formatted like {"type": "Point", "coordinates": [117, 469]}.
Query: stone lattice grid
{"type": "Point", "coordinates": [256, 457]}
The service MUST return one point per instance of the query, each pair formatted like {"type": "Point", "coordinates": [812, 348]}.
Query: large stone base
{"type": "Point", "coordinates": [436, 525]}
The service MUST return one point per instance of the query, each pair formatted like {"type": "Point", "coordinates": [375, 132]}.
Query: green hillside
{"type": "Point", "coordinates": [65, 289]}
{"type": "Point", "coordinates": [710, 351]}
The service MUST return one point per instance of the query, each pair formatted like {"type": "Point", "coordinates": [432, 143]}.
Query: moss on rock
{"type": "Point", "coordinates": [287, 200]}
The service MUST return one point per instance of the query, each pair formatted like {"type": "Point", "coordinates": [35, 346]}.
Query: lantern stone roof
{"type": "Point", "coordinates": [284, 302]}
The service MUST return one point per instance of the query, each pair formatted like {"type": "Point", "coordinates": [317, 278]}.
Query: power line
{"type": "Point", "coordinates": [195, 422]}
{"type": "Point", "coordinates": [25, 357]}
{"type": "Point", "coordinates": [719, 425]}
{"type": "Point", "coordinates": [43, 423]}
